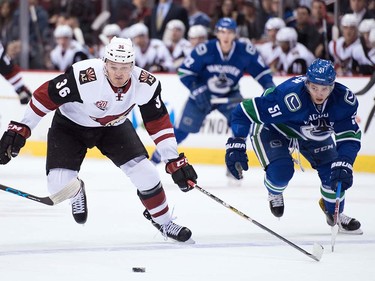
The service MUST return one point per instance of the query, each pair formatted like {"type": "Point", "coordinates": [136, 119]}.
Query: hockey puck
{"type": "Point", "coordinates": [139, 269]}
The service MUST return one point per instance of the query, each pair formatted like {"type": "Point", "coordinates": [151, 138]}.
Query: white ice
{"type": "Point", "coordinates": [40, 242]}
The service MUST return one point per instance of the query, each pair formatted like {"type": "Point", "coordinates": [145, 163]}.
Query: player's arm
{"type": "Point", "coordinates": [257, 68]}
{"type": "Point", "coordinates": [12, 73]}
{"type": "Point", "coordinates": [348, 141]}
{"type": "Point", "coordinates": [192, 66]}
{"type": "Point", "coordinates": [347, 131]}
{"type": "Point", "coordinates": [158, 125]}
{"type": "Point", "coordinates": [49, 96]}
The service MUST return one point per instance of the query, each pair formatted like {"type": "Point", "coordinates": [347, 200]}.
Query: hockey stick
{"type": "Point", "coordinates": [100, 20]}
{"type": "Point", "coordinates": [325, 39]}
{"type": "Point", "coordinates": [226, 100]}
{"type": "Point", "coordinates": [336, 221]}
{"type": "Point", "coordinates": [370, 117]}
{"type": "Point", "coordinates": [369, 85]}
{"type": "Point", "coordinates": [67, 192]}
{"type": "Point", "coordinates": [317, 251]}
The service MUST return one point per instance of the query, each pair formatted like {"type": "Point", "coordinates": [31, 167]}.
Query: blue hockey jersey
{"type": "Point", "coordinates": [289, 109]}
{"type": "Point", "coordinates": [208, 67]}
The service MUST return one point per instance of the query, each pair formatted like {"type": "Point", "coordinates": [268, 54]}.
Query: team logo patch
{"type": "Point", "coordinates": [350, 97]}
{"type": "Point", "coordinates": [147, 78]}
{"type": "Point", "coordinates": [112, 120]}
{"type": "Point", "coordinates": [87, 75]}
{"type": "Point", "coordinates": [102, 104]}
{"type": "Point", "coordinates": [293, 102]}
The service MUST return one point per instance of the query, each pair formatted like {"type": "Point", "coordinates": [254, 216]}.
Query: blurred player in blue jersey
{"type": "Point", "coordinates": [213, 70]}
{"type": "Point", "coordinates": [302, 114]}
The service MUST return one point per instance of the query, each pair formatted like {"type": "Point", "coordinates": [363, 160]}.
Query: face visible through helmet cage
{"type": "Point", "coordinates": [119, 60]}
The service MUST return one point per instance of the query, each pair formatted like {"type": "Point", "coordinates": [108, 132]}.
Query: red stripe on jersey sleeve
{"type": "Point", "coordinates": [41, 95]}
{"type": "Point", "coordinates": [15, 70]}
{"type": "Point", "coordinates": [157, 125]}
{"type": "Point", "coordinates": [163, 137]}
{"type": "Point", "coordinates": [36, 110]}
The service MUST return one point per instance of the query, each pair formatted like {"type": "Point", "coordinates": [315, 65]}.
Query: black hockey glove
{"type": "Point", "coordinates": [181, 172]}
{"type": "Point", "coordinates": [13, 140]}
{"type": "Point", "coordinates": [236, 157]}
{"type": "Point", "coordinates": [341, 170]}
{"type": "Point", "coordinates": [24, 94]}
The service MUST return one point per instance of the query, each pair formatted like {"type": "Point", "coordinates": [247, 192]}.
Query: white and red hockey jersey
{"type": "Point", "coordinates": [85, 96]}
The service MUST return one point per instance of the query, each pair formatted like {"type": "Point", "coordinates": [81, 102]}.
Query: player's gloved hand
{"type": "Point", "coordinates": [181, 172]}
{"type": "Point", "coordinates": [236, 157]}
{"type": "Point", "coordinates": [13, 140]}
{"type": "Point", "coordinates": [202, 98]}
{"type": "Point", "coordinates": [341, 170]}
{"type": "Point", "coordinates": [24, 94]}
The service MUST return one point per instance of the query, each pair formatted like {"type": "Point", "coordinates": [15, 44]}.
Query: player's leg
{"type": "Point", "coordinates": [143, 174]}
{"type": "Point", "coordinates": [272, 151]}
{"type": "Point", "coordinates": [320, 155]}
{"type": "Point", "coordinates": [65, 153]}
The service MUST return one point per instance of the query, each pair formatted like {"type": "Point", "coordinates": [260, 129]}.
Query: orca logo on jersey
{"type": "Point", "coordinates": [147, 78]}
{"type": "Point", "coordinates": [87, 75]}
{"type": "Point", "coordinates": [318, 130]}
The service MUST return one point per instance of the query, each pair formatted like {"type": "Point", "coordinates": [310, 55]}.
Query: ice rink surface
{"type": "Point", "coordinates": [40, 242]}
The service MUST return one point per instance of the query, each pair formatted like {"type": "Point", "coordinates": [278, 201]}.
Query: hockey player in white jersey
{"type": "Point", "coordinates": [341, 50]}
{"type": "Point", "coordinates": [92, 100]}
{"type": "Point", "coordinates": [291, 57]}
{"type": "Point", "coordinates": [267, 49]}
{"type": "Point", "coordinates": [151, 53]}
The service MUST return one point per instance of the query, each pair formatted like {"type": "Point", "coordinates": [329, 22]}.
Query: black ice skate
{"type": "Point", "coordinates": [347, 224]}
{"type": "Point", "coordinates": [79, 206]}
{"type": "Point", "coordinates": [171, 230]}
{"type": "Point", "coordinates": [276, 204]}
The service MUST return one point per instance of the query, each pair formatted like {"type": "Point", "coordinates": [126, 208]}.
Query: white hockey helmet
{"type": "Point", "coordinates": [120, 50]}
{"type": "Point", "coordinates": [63, 31]}
{"type": "Point", "coordinates": [197, 31]}
{"type": "Point", "coordinates": [366, 25]}
{"type": "Point", "coordinates": [287, 34]}
{"type": "Point", "coordinates": [176, 24]}
{"type": "Point", "coordinates": [137, 30]}
{"type": "Point", "coordinates": [349, 20]}
{"type": "Point", "coordinates": [111, 30]}
{"type": "Point", "coordinates": [275, 23]}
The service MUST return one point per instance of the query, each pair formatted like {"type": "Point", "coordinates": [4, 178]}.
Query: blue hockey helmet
{"type": "Point", "coordinates": [226, 23]}
{"type": "Point", "coordinates": [321, 72]}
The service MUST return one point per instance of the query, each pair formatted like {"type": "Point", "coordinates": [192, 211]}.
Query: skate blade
{"type": "Point", "coordinates": [189, 241]}
{"type": "Point", "coordinates": [351, 232]}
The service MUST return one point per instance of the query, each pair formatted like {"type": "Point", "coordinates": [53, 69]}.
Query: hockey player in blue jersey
{"type": "Point", "coordinates": [213, 70]}
{"type": "Point", "coordinates": [303, 113]}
